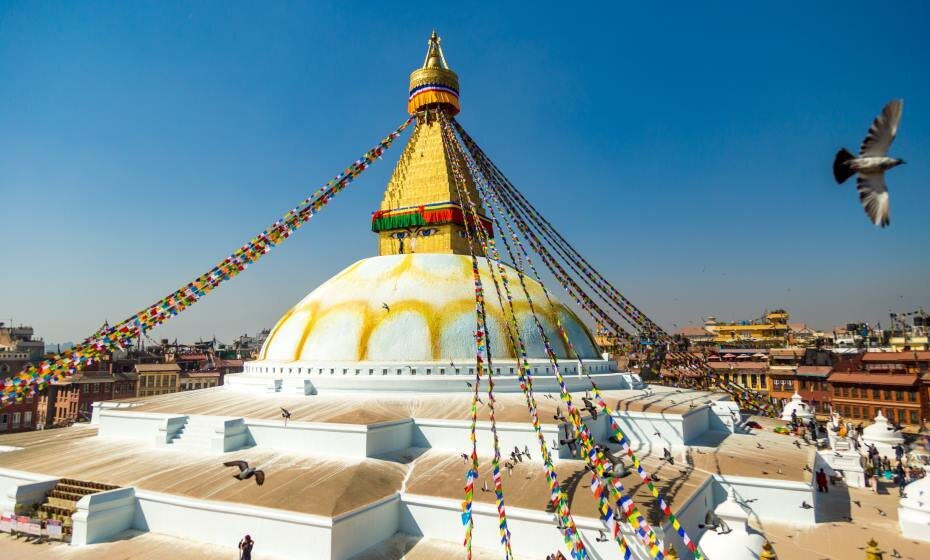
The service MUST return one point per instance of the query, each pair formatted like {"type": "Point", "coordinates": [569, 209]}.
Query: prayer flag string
{"type": "Point", "coordinates": [62, 366]}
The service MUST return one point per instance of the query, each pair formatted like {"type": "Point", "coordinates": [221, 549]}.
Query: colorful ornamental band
{"type": "Point", "coordinates": [424, 215]}
{"type": "Point", "coordinates": [431, 94]}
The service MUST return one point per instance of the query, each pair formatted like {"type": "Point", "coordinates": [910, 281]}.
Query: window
{"type": "Point", "coordinates": [876, 394]}
{"type": "Point", "coordinates": [887, 395]}
{"type": "Point", "coordinates": [899, 395]}
{"type": "Point", "coordinates": [96, 388]}
{"type": "Point", "coordinates": [442, 371]}
{"type": "Point", "coordinates": [4, 418]}
{"type": "Point", "coordinates": [429, 371]}
{"type": "Point", "coordinates": [85, 388]}
{"type": "Point", "coordinates": [753, 377]}
{"type": "Point", "coordinates": [855, 412]}
{"type": "Point", "coordinates": [854, 392]}
{"type": "Point", "coordinates": [27, 418]}
{"type": "Point", "coordinates": [914, 418]}
{"type": "Point", "coordinates": [16, 418]}
{"type": "Point", "coordinates": [911, 396]}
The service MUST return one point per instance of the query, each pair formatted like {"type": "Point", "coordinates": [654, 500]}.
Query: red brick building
{"type": "Point", "coordinates": [19, 417]}
{"type": "Point", "coordinates": [67, 402]}
{"type": "Point", "coordinates": [894, 383]}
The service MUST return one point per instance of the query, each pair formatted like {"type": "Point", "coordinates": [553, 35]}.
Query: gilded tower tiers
{"type": "Point", "coordinates": [421, 211]}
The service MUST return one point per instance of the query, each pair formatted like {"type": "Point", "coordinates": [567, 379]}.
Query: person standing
{"type": "Point", "coordinates": [899, 452]}
{"type": "Point", "coordinates": [245, 548]}
{"type": "Point", "coordinates": [822, 481]}
{"type": "Point", "coordinates": [900, 477]}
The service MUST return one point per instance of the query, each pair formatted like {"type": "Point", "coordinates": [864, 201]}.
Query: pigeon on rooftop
{"type": "Point", "coordinates": [286, 414]}
{"type": "Point", "coordinates": [246, 472]}
{"type": "Point", "coordinates": [872, 162]}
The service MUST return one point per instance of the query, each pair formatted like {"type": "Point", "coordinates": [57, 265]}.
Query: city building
{"type": "Point", "coordinates": [886, 382]}
{"type": "Point", "coordinates": [745, 366]}
{"type": "Point", "coordinates": [69, 401]}
{"type": "Point", "coordinates": [903, 337]}
{"type": "Point", "coordinates": [771, 330]}
{"type": "Point", "coordinates": [192, 380]}
{"type": "Point", "coordinates": [19, 417]}
{"type": "Point", "coordinates": [698, 337]}
{"type": "Point", "coordinates": [246, 347]}
{"type": "Point", "coordinates": [157, 379]}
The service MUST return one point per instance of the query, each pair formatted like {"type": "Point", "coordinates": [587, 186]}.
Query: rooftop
{"type": "Point", "coordinates": [904, 380]}
{"type": "Point", "coordinates": [146, 368]}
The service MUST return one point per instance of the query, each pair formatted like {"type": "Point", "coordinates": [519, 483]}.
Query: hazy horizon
{"type": "Point", "coordinates": [686, 152]}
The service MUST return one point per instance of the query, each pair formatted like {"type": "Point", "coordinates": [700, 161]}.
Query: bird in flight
{"type": "Point", "coordinates": [246, 472]}
{"type": "Point", "coordinates": [386, 307]}
{"type": "Point", "coordinates": [872, 162]}
{"type": "Point", "coordinates": [286, 414]}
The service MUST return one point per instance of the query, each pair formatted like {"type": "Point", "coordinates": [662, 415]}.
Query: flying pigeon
{"type": "Point", "coordinates": [572, 444]}
{"type": "Point", "coordinates": [246, 472]}
{"type": "Point", "coordinates": [386, 307]}
{"type": "Point", "coordinates": [589, 406]}
{"type": "Point", "coordinates": [872, 163]}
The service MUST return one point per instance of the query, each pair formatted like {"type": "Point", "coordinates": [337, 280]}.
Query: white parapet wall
{"type": "Point", "coordinates": [137, 425]}
{"type": "Point", "coordinates": [22, 489]}
{"type": "Point", "coordinates": [358, 530]}
{"type": "Point", "coordinates": [102, 516]}
{"type": "Point", "coordinates": [276, 533]}
{"type": "Point", "coordinates": [534, 533]}
{"type": "Point", "coordinates": [453, 435]}
{"type": "Point", "coordinates": [329, 438]}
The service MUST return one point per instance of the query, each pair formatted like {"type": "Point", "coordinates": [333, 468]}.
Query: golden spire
{"type": "Point", "coordinates": [435, 84]}
{"type": "Point", "coordinates": [421, 211]}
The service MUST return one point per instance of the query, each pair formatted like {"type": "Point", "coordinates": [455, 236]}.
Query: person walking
{"type": "Point", "coordinates": [822, 485]}
{"type": "Point", "coordinates": [245, 548]}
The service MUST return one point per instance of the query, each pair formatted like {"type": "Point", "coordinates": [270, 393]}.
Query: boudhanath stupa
{"type": "Point", "coordinates": [375, 371]}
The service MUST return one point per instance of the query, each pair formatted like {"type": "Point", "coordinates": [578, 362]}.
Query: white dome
{"type": "Point", "coordinates": [419, 307]}
{"type": "Point", "coordinates": [882, 432]}
{"type": "Point", "coordinates": [801, 409]}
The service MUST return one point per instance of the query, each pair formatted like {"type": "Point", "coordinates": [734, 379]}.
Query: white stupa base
{"type": "Point", "coordinates": [425, 377]}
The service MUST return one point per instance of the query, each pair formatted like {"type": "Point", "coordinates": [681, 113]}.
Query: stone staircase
{"type": "Point", "coordinates": [195, 435]}
{"type": "Point", "coordinates": [210, 433]}
{"type": "Point", "coordinates": [62, 500]}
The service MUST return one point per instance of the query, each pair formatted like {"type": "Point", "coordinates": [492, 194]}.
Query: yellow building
{"type": "Point", "coordinates": [157, 379]}
{"type": "Point", "coordinates": [769, 331]}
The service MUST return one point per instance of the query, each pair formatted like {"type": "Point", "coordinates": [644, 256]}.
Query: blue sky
{"type": "Point", "coordinates": [686, 150]}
